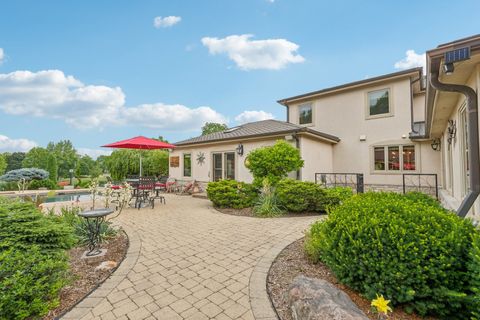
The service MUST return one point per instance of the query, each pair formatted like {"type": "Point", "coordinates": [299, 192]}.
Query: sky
{"type": "Point", "coordinates": [96, 72]}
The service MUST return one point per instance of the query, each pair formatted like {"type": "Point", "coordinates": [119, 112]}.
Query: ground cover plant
{"type": "Point", "coordinates": [407, 248]}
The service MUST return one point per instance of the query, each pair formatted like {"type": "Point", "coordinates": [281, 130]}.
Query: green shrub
{"type": "Point", "coordinates": [274, 162]}
{"type": "Point", "coordinates": [267, 203]}
{"type": "Point", "coordinates": [231, 194]}
{"type": "Point", "coordinates": [36, 184]}
{"type": "Point", "coordinates": [23, 225]}
{"type": "Point", "coordinates": [30, 281]}
{"type": "Point", "coordinates": [474, 272]}
{"type": "Point", "coordinates": [411, 251]}
{"type": "Point", "coordinates": [300, 196]}
{"type": "Point", "coordinates": [336, 196]}
{"type": "Point", "coordinates": [422, 197]}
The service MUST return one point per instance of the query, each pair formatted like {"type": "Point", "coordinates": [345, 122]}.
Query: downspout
{"type": "Point", "coordinates": [472, 129]}
{"type": "Point", "coordinates": [412, 126]}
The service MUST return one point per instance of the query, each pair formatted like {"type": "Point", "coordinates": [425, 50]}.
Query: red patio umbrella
{"type": "Point", "coordinates": [142, 143]}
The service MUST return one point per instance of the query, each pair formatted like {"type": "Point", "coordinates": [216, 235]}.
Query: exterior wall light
{"type": "Point", "coordinates": [448, 68]}
{"type": "Point", "coordinates": [239, 149]}
{"type": "Point", "coordinates": [436, 144]}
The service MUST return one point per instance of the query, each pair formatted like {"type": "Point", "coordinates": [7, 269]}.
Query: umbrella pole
{"type": "Point", "coordinates": [140, 164]}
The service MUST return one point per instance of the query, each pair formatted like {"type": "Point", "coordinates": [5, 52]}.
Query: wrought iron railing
{"type": "Point", "coordinates": [352, 180]}
{"type": "Point", "coordinates": [421, 182]}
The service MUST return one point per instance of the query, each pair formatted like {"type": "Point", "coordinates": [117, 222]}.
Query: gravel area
{"type": "Point", "coordinates": [84, 276]}
{"type": "Point", "coordinates": [292, 262]}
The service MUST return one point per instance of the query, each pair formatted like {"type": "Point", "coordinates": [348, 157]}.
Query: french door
{"type": "Point", "coordinates": [223, 166]}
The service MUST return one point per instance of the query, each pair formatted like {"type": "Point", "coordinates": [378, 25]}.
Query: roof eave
{"type": "Point", "coordinates": [351, 85]}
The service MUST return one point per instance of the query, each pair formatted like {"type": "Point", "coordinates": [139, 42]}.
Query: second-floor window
{"type": "Point", "coordinates": [305, 114]}
{"type": "Point", "coordinates": [379, 103]}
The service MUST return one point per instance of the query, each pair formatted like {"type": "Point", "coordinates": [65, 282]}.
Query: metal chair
{"type": "Point", "coordinates": [144, 192]}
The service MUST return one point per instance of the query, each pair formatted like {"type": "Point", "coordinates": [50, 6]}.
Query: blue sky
{"type": "Point", "coordinates": [96, 72]}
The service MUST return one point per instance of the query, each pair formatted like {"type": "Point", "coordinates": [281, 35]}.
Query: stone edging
{"type": "Point", "coordinates": [262, 307]}
{"type": "Point", "coordinates": [90, 301]}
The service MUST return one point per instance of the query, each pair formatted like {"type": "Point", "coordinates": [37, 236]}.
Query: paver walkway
{"type": "Point", "coordinates": [187, 261]}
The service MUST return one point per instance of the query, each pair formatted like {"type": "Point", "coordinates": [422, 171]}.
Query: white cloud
{"type": "Point", "coordinates": [165, 22]}
{"type": "Point", "coordinates": [52, 94]}
{"type": "Point", "coordinates": [93, 153]}
{"type": "Point", "coordinates": [175, 117]}
{"type": "Point", "coordinates": [412, 60]}
{"type": "Point", "coordinates": [2, 55]}
{"type": "Point", "coordinates": [8, 144]}
{"type": "Point", "coordinates": [251, 116]}
{"type": "Point", "coordinates": [250, 54]}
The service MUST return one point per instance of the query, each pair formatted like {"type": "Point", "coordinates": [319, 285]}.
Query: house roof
{"type": "Point", "coordinates": [256, 129]}
{"type": "Point", "coordinates": [369, 81]}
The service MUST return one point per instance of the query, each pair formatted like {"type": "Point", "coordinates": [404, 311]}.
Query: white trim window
{"type": "Point", "coordinates": [378, 103]}
{"type": "Point", "coordinates": [394, 158]}
{"type": "Point", "coordinates": [305, 113]}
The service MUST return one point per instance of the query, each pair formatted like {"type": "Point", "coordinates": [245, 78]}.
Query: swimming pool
{"type": "Point", "coordinates": [70, 197]}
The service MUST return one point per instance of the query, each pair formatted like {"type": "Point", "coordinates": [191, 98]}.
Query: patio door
{"type": "Point", "coordinates": [223, 166]}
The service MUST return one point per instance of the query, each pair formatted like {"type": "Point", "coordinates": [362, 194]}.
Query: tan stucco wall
{"type": "Point", "coordinates": [454, 182]}
{"type": "Point", "coordinates": [317, 156]}
{"type": "Point", "coordinates": [344, 115]}
{"type": "Point", "coordinates": [203, 172]}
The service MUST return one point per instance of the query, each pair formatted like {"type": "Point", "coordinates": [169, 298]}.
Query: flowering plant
{"type": "Point", "coordinates": [381, 305]}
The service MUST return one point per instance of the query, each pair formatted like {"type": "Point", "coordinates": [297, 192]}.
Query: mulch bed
{"type": "Point", "coordinates": [85, 277]}
{"type": "Point", "coordinates": [248, 212]}
{"type": "Point", "coordinates": [291, 262]}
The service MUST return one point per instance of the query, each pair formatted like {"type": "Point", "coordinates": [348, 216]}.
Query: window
{"type": "Point", "coordinates": [187, 165]}
{"type": "Point", "coordinates": [223, 166]}
{"type": "Point", "coordinates": [379, 158]}
{"type": "Point", "coordinates": [409, 158]}
{"type": "Point", "coordinates": [394, 158]}
{"type": "Point", "coordinates": [379, 102]}
{"type": "Point", "coordinates": [305, 114]}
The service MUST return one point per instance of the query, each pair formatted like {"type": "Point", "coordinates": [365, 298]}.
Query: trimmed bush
{"type": "Point", "coordinates": [300, 196]}
{"type": "Point", "coordinates": [303, 196]}
{"type": "Point", "coordinates": [474, 272]}
{"type": "Point", "coordinates": [30, 282]}
{"type": "Point", "coordinates": [273, 162]}
{"type": "Point", "coordinates": [411, 251]}
{"type": "Point", "coordinates": [231, 194]}
{"type": "Point", "coordinates": [36, 184]}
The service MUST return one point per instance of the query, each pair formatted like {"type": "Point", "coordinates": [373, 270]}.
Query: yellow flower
{"type": "Point", "coordinates": [381, 304]}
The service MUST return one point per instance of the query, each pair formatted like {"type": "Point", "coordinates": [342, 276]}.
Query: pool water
{"type": "Point", "coordinates": [71, 197]}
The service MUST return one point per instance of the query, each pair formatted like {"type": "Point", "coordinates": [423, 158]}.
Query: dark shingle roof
{"type": "Point", "coordinates": [255, 129]}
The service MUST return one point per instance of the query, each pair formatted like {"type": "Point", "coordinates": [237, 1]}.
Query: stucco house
{"type": "Point", "coordinates": [382, 128]}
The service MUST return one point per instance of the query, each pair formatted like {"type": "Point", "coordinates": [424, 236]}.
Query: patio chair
{"type": "Point", "coordinates": [145, 192]}
{"type": "Point", "coordinates": [161, 185]}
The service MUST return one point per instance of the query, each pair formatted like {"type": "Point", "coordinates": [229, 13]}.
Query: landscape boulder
{"type": "Point", "coordinates": [315, 299]}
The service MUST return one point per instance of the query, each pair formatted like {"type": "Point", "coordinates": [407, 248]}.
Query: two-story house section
{"type": "Point", "coordinates": [374, 120]}
{"type": "Point", "coordinates": [361, 127]}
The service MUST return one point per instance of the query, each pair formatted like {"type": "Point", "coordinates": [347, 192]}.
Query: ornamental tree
{"type": "Point", "coordinates": [274, 162]}
{"type": "Point", "coordinates": [23, 176]}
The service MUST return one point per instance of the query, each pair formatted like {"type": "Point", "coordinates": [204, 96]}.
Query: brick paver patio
{"type": "Point", "coordinates": [188, 261]}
